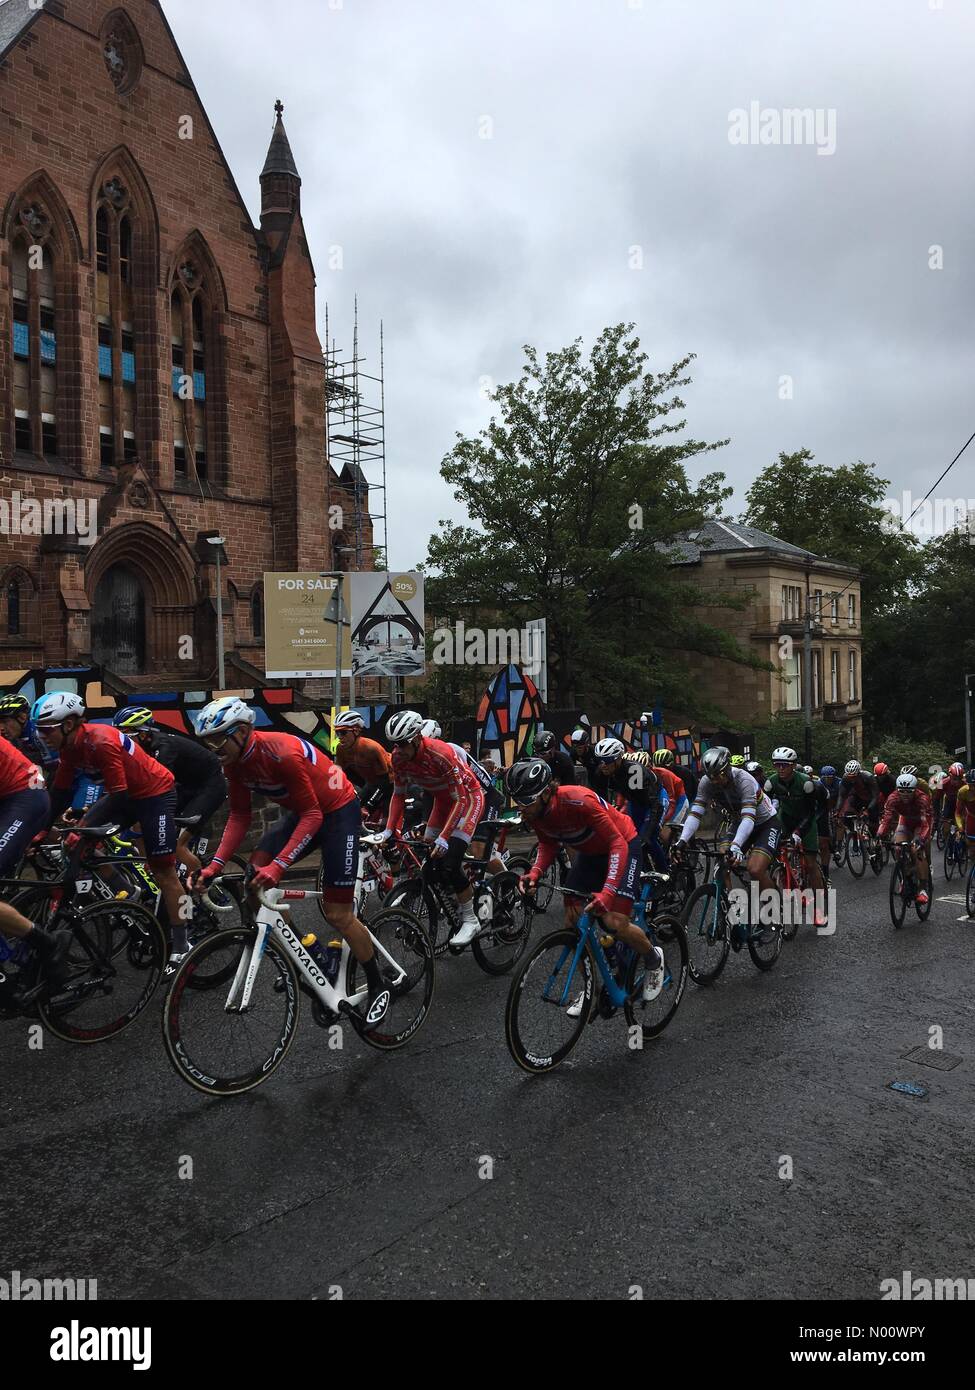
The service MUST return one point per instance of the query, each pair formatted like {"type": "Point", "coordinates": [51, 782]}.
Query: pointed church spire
{"type": "Point", "coordinates": [280, 160]}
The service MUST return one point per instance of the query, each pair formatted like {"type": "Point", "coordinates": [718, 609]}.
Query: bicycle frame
{"type": "Point", "coordinates": [270, 922]}
{"type": "Point", "coordinates": [588, 936]}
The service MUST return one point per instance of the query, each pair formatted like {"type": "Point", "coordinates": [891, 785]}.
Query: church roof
{"type": "Point", "coordinates": [16, 17]}
{"type": "Point", "coordinates": [280, 159]}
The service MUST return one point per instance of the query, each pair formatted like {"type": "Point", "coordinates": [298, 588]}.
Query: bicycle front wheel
{"type": "Point", "coordinates": [970, 893]}
{"type": "Point", "coordinates": [856, 859]}
{"type": "Point", "coordinates": [115, 963]}
{"type": "Point", "coordinates": [653, 1015]}
{"type": "Point", "coordinates": [898, 905]}
{"type": "Point", "coordinates": [950, 862]}
{"type": "Point", "coordinates": [708, 939]}
{"type": "Point", "coordinates": [221, 1051]}
{"type": "Point", "coordinates": [548, 1003]}
{"type": "Point", "coordinates": [501, 947]}
{"type": "Point", "coordinates": [404, 938]}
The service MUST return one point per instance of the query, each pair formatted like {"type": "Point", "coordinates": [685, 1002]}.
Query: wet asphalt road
{"type": "Point", "coordinates": [660, 1169]}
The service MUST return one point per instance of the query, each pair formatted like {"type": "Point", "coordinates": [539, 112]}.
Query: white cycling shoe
{"type": "Point", "coordinates": [653, 980]}
{"type": "Point", "coordinates": [574, 1010]}
{"type": "Point", "coordinates": [465, 934]}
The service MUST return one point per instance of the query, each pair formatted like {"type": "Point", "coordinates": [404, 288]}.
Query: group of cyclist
{"type": "Point", "coordinates": [617, 810]}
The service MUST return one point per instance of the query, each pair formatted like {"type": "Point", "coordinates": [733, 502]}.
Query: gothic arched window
{"type": "Point", "coordinates": [36, 317]}
{"type": "Point", "coordinates": [117, 396]}
{"type": "Point", "coordinates": [192, 348]}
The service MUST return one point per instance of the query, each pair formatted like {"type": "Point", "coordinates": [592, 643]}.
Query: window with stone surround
{"type": "Point", "coordinates": [36, 315]}
{"type": "Point", "coordinates": [118, 364]}
{"type": "Point", "coordinates": [191, 337]}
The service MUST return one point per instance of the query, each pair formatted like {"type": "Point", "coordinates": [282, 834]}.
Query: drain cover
{"type": "Point", "coordinates": [933, 1057]}
{"type": "Point", "coordinates": [909, 1088]}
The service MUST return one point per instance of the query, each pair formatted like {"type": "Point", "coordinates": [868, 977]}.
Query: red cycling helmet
{"type": "Point", "coordinates": [880, 770]}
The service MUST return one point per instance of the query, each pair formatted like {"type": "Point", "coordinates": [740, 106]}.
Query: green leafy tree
{"type": "Point", "coordinates": [837, 512]}
{"type": "Point", "coordinates": [573, 491]}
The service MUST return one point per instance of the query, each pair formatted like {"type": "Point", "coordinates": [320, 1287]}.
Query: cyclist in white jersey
{"type": "Point", "coordinates": [735, 791]}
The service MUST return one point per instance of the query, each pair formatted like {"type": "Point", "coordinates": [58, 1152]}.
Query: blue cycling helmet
{"type": "Point", "coordinates": [827, 771]}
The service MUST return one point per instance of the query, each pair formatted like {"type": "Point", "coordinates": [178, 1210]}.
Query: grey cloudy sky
{"type": "Point", "coordinates": [611, 130]}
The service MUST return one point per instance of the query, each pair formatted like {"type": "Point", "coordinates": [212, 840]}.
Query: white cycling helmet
{"type": "Point", "coordinates": [351, 719]}
{"type": "Point", "coordinates": [716, 760]}
{"type": "Point", "coordinates": [580, 735]}
{"type": "Point", "coordinates": [910, 769]}
{"type": "Point", "coordinates": [405, 726]}
{"type": "Point", "coordinates": [852, 768]}
{"type": "Point", "coordinates": [907, 782]}
{"type": "Point", "coordinates": [784, 755]}
{"type": "Point", "coordinates": [57, 706]}
{"type": "Point", "coordinates": [223, 716]}
{"type": "Point", "coordinates": [607, 750]}
{"type": "Point", "coordinates": [431, 729]}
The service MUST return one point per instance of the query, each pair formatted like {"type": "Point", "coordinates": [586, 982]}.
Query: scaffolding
{"type": "Point", "coordinates": [355, 427]}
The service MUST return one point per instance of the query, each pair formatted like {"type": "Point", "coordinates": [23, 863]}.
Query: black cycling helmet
{"type": "Point", "coordinates": [546, 742]}
{"type": "Point", "coordinates": [527, 780]}
{"type": "Point", "coordinates": [12, 705]}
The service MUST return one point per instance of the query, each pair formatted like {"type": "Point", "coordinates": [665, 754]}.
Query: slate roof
{"type": "Point", "coordinates": [16, 17]}
{"type": "Point", "coordinates": [280, 159]}
{"type": "Point", "coordinates": [717, 536]}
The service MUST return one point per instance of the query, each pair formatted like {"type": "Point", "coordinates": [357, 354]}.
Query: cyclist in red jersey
{"type": "Point", "coordinates": [323, 813]}
{"type": "Point", "coordinates": [25, 810]}
{"type": "Point", "coordinates": [458, 807]}
{"type": "Point", "coordinates": [911, 808]}
{"type": "Point", "coordinates": [605, 875]}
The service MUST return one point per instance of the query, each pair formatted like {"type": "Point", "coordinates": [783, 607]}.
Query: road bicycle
{"type": "Point", "coordinates": [504, 913]}
{"type": "Point", "coordinates": [905, 886]}
{"type": "Point", "coordinates": [552, 880]}
{"type": "Point", "coordinates": [714, 927]}
{"type": "Point", "coordinates": [553, 995]}
{"type": "Point", "coordinates": [858, 847]}
{"type": "Point", "coordinates": [233, 1007]}
{"type": "Point", "coordinates": [113, 965]}
{"type": "Point", "coordinates": [788, 873]}
{"type": "Point", "coordinates": [970, 892]}
{"type": "Point", "coordinates": [955, 853]}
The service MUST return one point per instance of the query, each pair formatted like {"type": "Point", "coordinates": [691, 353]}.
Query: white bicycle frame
{"type": "Point", "coordinates": [270, 922]}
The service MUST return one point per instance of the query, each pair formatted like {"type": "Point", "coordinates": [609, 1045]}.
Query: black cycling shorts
{"type": "Point", "coordinates": [22, 816]}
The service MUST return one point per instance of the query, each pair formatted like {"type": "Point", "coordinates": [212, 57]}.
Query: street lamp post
{"type": "Point", "coordinates": [969, 682]}
{"type": "Point", "coordinates": [218, 543]}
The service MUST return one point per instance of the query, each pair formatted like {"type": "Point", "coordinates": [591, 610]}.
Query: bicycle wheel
{"type": "Point", "coordinates": [924, 909]}
{"type": "Point", "coordinates": [838, 849]}
{"type": "Point", "coordinates": [545, 891]}
{"type": "Point", "coordinates": [856, 859]}
{"type": "Point", "coordinates": [414, 896]}
{"type": "Point", "coordinates": [499, 949]}
{"type": "Point", "coordinates": [940, 837]}
{"type": "Point", "coordinates": [666, 932]}
{"type": "Point", "coordinates": [970, 893]}
{"type": "Point", "coordinates": [405, 939]}
{"type": "Point", "coordinates": [764, 945]}
{"type": "Point", "coordinates": [538, 1028]}
{"type": "Point", "coordinates": [898, 905]}
{"type": "Point", "coordinates": [950, 863]}
{"type": "Point", "coordinates": [115, 964]}
{"type": "Point", "coordinates": [222, 1051]}
{"type": "Point", "coordinates": [787, 881]}
{"type": "Point", "coordinates": [876, 857]}
{"type": "Point", "coordinates": [705, 919]}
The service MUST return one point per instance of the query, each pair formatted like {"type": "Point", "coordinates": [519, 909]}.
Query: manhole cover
{"type": "Point", "coordinates": [933, 1057]}
{"type": "Point", "coordinates": [909, 1088]}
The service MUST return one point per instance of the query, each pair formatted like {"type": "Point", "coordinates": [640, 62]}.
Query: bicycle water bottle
{"type": "Point", "coordinates": [326, 958]}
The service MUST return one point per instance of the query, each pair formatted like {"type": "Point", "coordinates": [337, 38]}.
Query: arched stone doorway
{"type": "Point", "coordinates": [118, 628]}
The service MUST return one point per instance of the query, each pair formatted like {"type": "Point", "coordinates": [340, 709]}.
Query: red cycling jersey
{"type": "Point", "coordinates": [458, 801]}
{"type": "Point", "coordinates": [674, 788]}
{"type": "Point", "coordinates": [577, 817]}
{"type": "Point", "coordinates": [108, 755]}
{"type": "Point", "coordinates": [17, 772]}
{"type": "Point", "coordinates": [295, 774]}
{"type": "Point", "coordinates": [914, 808]}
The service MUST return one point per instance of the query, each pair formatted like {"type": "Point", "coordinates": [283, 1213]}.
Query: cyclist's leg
{"type": "Point", "coordinates": [203, 803]}
{"type": "Point", "coordinates": [761, 848]}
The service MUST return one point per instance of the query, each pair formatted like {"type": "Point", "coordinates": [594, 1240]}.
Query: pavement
{"type": "Point", "coordinates": [755, 1150]}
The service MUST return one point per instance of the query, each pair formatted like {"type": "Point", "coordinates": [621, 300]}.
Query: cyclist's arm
{"type": "Point", "coordinates": [238, 824]}
{"type": "Point", "coordinates": [694, 816]}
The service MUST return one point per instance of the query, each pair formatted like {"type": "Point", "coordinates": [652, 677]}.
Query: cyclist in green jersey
{"type": "Point", "coordinates": [794, 793]}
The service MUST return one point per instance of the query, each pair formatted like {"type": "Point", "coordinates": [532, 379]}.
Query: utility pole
{"type": "Point", "coordinates": [969, 682]}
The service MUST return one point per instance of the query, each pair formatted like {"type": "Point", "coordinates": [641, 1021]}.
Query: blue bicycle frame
{"type": "Point", "coordinates": [590, 931]}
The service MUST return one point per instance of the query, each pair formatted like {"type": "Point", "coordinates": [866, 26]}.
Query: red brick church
{"type": "Point", "coordinates": [161, 376]}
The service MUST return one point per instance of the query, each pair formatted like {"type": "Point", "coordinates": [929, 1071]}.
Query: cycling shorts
{"type": "Point", "coordinates": [588, 875]}
{"type": "Point", "coordinates": [154, 815]}
{"type": "Point", "coordinates": [202, 801]}
{"type": "Point", "coordinates": [907, 830]}
{"type": "Point", "coordinates": [22, 816]}
{"type": "Point", "coordinates": [764, 838]}
{"type": "Point", "coordinates": [338, 841]}
{"type": "Point", "coordinates": [472, 813]}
